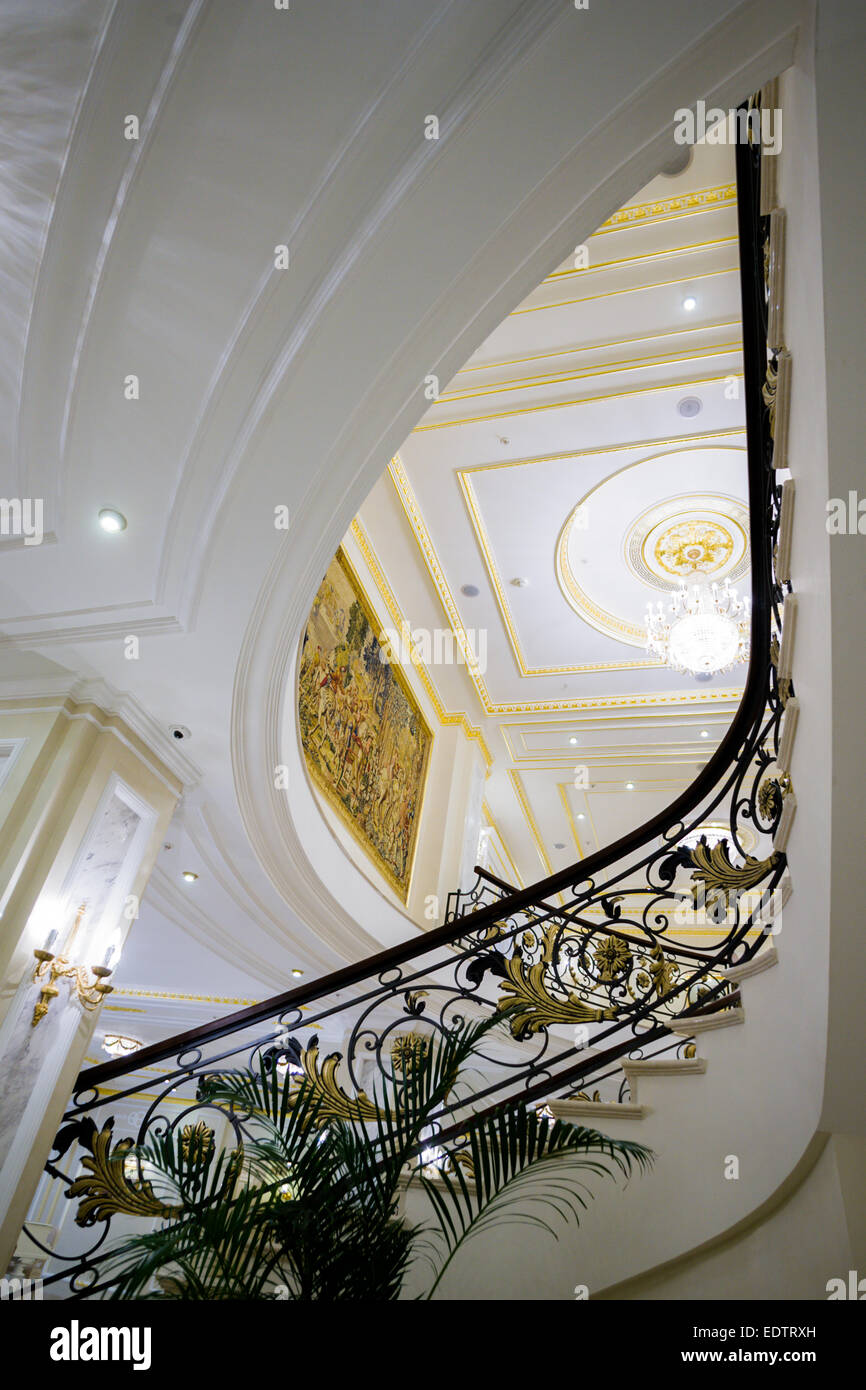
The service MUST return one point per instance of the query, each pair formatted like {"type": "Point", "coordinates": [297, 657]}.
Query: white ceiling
{"type": "Point", "coordinates": [156, 257]}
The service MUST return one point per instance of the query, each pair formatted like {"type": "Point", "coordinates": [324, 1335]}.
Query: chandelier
{"type": "Point", "coordinates": [702, 630]}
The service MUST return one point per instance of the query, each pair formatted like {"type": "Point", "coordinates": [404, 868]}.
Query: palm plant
{"type": "Point", "coordinates": [308, 1205]}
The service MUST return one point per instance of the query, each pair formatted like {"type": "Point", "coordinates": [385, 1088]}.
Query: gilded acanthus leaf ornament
{"type": "Point", "coordinates": [109, 1187]}
{"type": "Point", "coordinates": [719, 879]}
{"type": "Point", "coordinates": [334, 1103]}
{"type": "Point", "coordinates": [664, 973]}
{"type": "Point", "coordinates": [530, 1005]}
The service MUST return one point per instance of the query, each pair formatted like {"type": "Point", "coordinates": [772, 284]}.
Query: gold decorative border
{"type": "Point", "coordinates": [401, 891]}
{"type": "Point", "coordinates": [166, 994]}
{"type": "Point", "coordinates": [601, 369]}
{"type": "Point", "coordinates": [629, 289]}
{"type": "Point", "coordinates": [563, 796]}
{"type": "Point", "coordinates": [579, 400]}
{"type": "Point", "coordinates": [650, 721]}
{"type": "Point", "coordinates": [667, 253]}
{"type": "Point", "coordinates": [593, 347]}
{"type": "Point", "coordinates": [668, 209]}
{"type": "Point", "coordinates": [654, 442]}
{"type": "Point", "coordinates": [490, 820]}
{"type": "Point", "coordinates": [585, 607]}
{"type": "Point", "coordinates": [484, 545]}
{"type": "Point", "coordinates": [395, 613]}
{"type": "Point", "coordinates": [523, 801]}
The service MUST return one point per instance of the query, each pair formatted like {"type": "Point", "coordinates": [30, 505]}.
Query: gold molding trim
{"type": "Point", "coordinates": [483, 541]}
{"type": "Point", "coordinates": [523, 801]}
{"type": "Point", "coordinates": [563, 796]}
{"type": "Point", "coordinates": [604, 369]}
{"type": "Point", "coordinates": [667, 253]}
{"type": "Point", "coordinates": [490, 820]}
{"type": "Point", "coordinates": [395, 613]}
{"type": "Point", "coordinates": [409, 503]}
{"type": "Point", "coordinates": [595, 347]}
{"type": "Point", "coordinates": [678, 441]}
{"type": "Point", "coordinates": [634, 289]}
{"type": "Point", "coordinates": [616, 702]}
{"type": "Point", "coordinates": [669, 209]}
{"type": "Point", "coordinates": [579, 400]}
{"type": "Point", "coordinates": [166, 994]}
{"type": "Point", "coordinates": [586, 608]}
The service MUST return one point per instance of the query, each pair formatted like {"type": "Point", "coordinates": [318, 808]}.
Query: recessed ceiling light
{"type": "Point", "coordinates": [519, 581]}
{"type": "Point", "coordinates": [470, 590]}
{"type": "Point", "coordinates": [189, 876]}
{"type": "Point", "coordinates": [581, 816]}
{"type": "Point", "coordinates": [572, 739]}
{"type": "Point", "coordinates": [690, 406]}
{"type": "Point", "coordinates": [629, 786]}
{"type": "Point", "coordinates": [705, 733]}
{"type": "Point", "coordinates": [559, 845]}
{"type": "Point", "coordinates": [297, 973]}
{"type": "Point", "coordinates": [690, 303]}
{"type": "Point", "coordinates": [110, 520]}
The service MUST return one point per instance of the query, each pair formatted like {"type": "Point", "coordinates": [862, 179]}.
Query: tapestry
{"type": "Point", "coordinates": [365, 740]}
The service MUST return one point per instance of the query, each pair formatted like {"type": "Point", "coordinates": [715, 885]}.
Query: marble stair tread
{"type": "Point", "coordinates": [664, 1066]}
{"type": "Point", "coordinates": [724, 1018]}
{"type": "Point", "coordinates": [764, 960]}
{"type": "Point", "coordinates": [573, 1109]}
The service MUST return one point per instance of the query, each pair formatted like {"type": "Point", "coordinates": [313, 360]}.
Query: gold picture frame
{"type": "Point", "coordinates": [365, 741]}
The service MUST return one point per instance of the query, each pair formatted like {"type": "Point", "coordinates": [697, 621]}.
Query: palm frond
{"type": "Point", "coordinates": [508, 1154]}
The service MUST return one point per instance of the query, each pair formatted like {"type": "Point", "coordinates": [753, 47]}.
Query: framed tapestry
{"type": "Point", "coordinates": [365, 741]}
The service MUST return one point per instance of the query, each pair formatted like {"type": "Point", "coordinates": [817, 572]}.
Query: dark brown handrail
{"type": "Point", "coordinates": [748, 713]}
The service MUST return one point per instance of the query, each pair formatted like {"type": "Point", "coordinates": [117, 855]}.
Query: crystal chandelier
{"type": "Point", "coordinates": [702, 630]}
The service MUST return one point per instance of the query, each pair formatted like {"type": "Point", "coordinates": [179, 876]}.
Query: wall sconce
{"type": "Point", "coordinates": [90, 986]}
{"type": "Point", "coordinates": [116, 1045]}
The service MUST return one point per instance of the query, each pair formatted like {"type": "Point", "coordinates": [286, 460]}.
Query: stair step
{"type": "Point", "coordinates": [762, 961]}
{"type": "Point", "coordinates": [570, 1109]}
{"type": "Point", "coordinates": [662, 1066]}
{"type": "Point", "coordinates": [724, 1018]}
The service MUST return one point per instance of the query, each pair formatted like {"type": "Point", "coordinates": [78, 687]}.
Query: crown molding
{"type": "Point", "coordinates": [113, 703]}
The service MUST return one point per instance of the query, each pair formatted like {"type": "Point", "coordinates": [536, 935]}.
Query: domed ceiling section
{"type": "Point", "coordinates": [587, 460]}
{"type": "Point", "coordinates": [617, 543]}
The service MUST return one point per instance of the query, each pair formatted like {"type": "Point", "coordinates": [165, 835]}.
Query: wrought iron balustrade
{"type": "Point", "coordinates": [588, 967]}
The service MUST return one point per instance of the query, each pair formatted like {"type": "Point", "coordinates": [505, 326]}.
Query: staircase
{"type": "Point", "coordinates": [612, 1016]}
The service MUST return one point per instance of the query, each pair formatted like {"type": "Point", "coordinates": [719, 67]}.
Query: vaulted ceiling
{"type": "Point", "coordinates": [154, 257]}
{"type": "Point", "coordinates": [550, 492]}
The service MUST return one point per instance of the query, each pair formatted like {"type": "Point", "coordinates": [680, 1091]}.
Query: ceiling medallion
{"type": "Point", "coordinates": [638, 530]}
{"type": "Point", "coordinates": [692, 546]}
{"type": "Point", "coordinates": [690, 537]}
{"type": "Point", "coordinates": [702, 630]}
